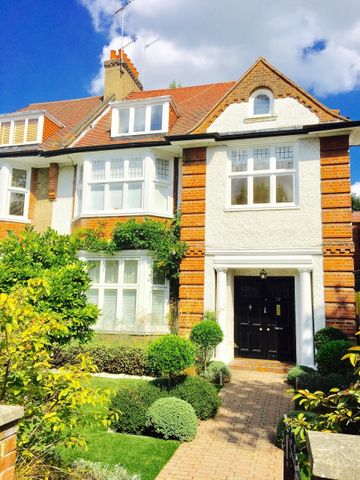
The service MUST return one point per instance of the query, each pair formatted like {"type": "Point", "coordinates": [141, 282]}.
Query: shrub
{"type": "Point", "coordinates": [108, 358]}
{"type": "Point", "coordinates": [172, 418]}
{"type": "Point", "coordinates": [217, 369]}
{"type": "Point", "coordinates": [87, 470]}
{"type": "Point", "coordinates": [170, 355]}
{"type": "Point", "coordinates": [328, 358]}
{"type": "Point", "coordinates": [206, 335]}
{"type": "Point", "coordinates": [327, 334]}
{"type": "Point", "coordinates": [296, 372]}
{"type": "Point", "coordinates": [200, 393]}
{"type": "Point", "coordinates": [281, 426]}
{"type": "Point", "coordinates": [314, 381]}
{"type": "Point", "coordinates": [131, 404]}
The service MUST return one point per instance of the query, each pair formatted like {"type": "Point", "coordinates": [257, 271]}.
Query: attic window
{"type": "Point", "coordinates": [261, 103]}
{"type": "Point", "coordinates": [20, 131]}
{"type": "Point", "coordinates": [140, 117]}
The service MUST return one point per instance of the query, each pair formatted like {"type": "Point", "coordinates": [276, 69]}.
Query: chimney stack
{"type": "Point", "coordinates": [121, 76]}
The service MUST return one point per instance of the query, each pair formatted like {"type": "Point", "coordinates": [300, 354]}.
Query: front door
{"type": "Point", "coordinates": [264, 317]}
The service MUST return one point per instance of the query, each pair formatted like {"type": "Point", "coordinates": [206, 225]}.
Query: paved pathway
{"type": "Point", "coordinates": [238, 443]}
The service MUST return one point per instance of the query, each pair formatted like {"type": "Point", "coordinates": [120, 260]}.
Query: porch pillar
{"type": "Point", "coordinates": [305, 332]}
{"type": "Point", "coordinates": [223, 350]}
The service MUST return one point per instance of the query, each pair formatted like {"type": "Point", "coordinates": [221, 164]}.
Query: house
{"type": "Point", "coordinates": [259, 169]}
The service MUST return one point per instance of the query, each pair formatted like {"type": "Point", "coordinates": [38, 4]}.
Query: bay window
{"type": "Point", "coordinates": [262, 177]}
{"type": "Point", "coordinates": [124, 185]}
{"type": "Point", "coordinates": [131, 295]}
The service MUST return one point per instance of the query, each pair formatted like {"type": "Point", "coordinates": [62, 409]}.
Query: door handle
{"type": "Point", "coordinates": [260, 329]}
{"type": "Point", "coordinates": [268, 329]}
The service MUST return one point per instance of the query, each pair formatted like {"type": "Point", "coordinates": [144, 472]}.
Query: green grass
{"type": "Point", "coordinates": [138, 454]}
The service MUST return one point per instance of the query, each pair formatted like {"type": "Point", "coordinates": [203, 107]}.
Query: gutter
{"type": "Point", "coordinates": [170, 139]}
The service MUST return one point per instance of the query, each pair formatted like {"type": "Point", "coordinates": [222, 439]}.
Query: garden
{"type": "Point", "coordinates": [325, 399]}
{"type": "Point", "coordinates": [81, 426]}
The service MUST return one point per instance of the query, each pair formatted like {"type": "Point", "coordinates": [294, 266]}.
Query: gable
{"type": "Point", "coordinates": [263, 75]}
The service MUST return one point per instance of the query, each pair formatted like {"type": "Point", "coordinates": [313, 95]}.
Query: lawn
{"type": "Point", "coordinates": [138, 454]}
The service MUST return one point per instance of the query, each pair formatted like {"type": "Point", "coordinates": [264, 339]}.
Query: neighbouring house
{"type": "Point", "coordinates": [259, 169]}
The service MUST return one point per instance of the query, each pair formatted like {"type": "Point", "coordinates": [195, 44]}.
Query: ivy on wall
{"type": "Point", "coordinates": [162, 238]}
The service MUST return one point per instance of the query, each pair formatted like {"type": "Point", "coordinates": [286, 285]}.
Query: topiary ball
{"type": "Point", "coordinates": [200, 393]}
{"type": "Point", "coordinates": [328, 358]}
{"type": "Point", "coordinates": [215, 369]}
{"type": "Point", "coordinates": [171, 354]}
{"type": "Point", "coordinates": [296, 372]}
{"type": "Point", "coordinates": [207, 334]}
{"type": "Point", "coordinates": [131, 404]}
{"type": "Point", "coordinates": [327, 334]}
{"type": "Point", "coordinates": [172, 418]}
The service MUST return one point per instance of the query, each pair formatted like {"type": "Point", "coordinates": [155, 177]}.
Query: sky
{"type": "Point", "coordinates": [54, 49]}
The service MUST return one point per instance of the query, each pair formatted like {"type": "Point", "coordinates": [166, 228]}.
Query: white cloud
{"type": "Point", "coordinates": [355, 188]}
{"type": "Point", "coordinates": [202, 41]}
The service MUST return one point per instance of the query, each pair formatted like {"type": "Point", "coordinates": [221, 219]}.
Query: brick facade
{"type": "Point", "coordinates": [338, 247]}
{"type": "Point", "coordinates": [9, 417]}
{"type": "Point", "coordinates": [191, 292]}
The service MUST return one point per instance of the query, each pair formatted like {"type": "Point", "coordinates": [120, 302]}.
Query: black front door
{"type": "Point", "coordinates": [264, 317]}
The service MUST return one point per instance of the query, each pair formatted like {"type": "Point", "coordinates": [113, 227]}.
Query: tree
{"type": "Point", "coordinates": [355, 200]}
{"type": "Point", "coordinates": [52, 257]}
{"type": "Point", "coordinates": [53, 401]}
{"type": "Point", "coordinates": [174, 84]}
{"type": "Point", "coordinates": [206, 335]}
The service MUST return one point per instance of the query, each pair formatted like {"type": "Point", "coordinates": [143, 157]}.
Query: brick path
{"type": "Point", "coordinates": [238, 443]}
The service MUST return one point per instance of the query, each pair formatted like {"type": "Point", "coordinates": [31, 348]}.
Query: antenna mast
{"type": "Point", "coordinates": [121, 10]}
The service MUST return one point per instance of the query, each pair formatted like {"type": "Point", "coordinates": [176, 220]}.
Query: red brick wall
{"type": "Point", "coordinates": [338, 247]}
{"type": "Point", "coordinates": [191, 293]}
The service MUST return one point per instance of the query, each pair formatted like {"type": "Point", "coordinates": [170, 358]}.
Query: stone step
{"type": "Point", "coordinates": [259, 365]}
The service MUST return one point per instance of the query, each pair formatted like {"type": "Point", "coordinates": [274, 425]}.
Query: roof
{"type": "Point", "coordinates": [192, 104]}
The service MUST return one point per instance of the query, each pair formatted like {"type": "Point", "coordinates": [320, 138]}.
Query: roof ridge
{"type": "Point", "coordinates": [182, 88]}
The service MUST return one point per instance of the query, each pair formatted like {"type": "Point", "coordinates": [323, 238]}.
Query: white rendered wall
{"type": "Point", "coordinates": [264, 228]}
{"type": "Point", "coordinates": [288, 112]}
{"type": "Point", "coordinates": [63, 205]}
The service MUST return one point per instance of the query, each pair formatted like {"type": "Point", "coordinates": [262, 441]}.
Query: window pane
{"type": "Point", "coordinates": [162, 169]}
{"type": "Point", "coordinates": [97, 197]}
{"type": "Point", "coordinates": [124, 120]}
{"type": "Point", "coordinates": [161, 194]}
{"type": "Point", "coordinates": [261, 189]}
{"type": "Point", "coordinates": [239, 161]}
{"type": "Point", "coordinates": [284, 157]}
{"type": "Point", "coordinates": [116, 196]}
{"type": "Point", "coordinates": [134, 199]}
{"type": "Point", "coordinates": [139, 119]}
{"type": "Point", "coordinates": [158, 277]}
{"type": "Point", "coordinates": [109, 310]}
{"type": "Point", "coordinates": [5, 133]}
{"type": "Point", "coordinates": [130, 271]}
{"type": "Point", "coordinates": [156, 117]}
{"type": "Point", "coordinates": [129, 307]}
{"type": "Point", "coordinates": [261, 159]}
{"type": "Point", "coordinates": [19, 129]}
{"type": "Point", "coordinates": [98, 170]}
{"type": "Point", "coordinates": [158, 307]}
{"type": "Point", "coordinates": [261, 104]}
{"type": "Point", "coordinates": [18, 178]}
{"type": "Point", "coordinates": [111, 271]}
{"type": "Point", "coordinates": [94, 270]}
{"type": "Point", "coordinates": [284, 188]}
{"type": "Point", "coordinates": [17, 204]}
{"type": "Point", "coordinates": [93, 296]}
{"type": "Point", "coordinates": [31, 135]}
{"type": "Point", "coordinates": [239, 191]}
{"type": "Point", "coordinates": [135, 168]}
{"type": "Point", "coordinates": [117, 169]}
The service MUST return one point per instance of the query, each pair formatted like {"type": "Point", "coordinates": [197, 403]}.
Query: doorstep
{"type": "Point", "coordinates": [260, 365]}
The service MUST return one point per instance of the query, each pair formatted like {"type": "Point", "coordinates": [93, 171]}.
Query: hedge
{"type": "Point", "coordinates": [108, 358]}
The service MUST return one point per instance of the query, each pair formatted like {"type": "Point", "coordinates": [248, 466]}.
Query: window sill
{"type": "Point", "coordinates": [256, 208]}
{"type": "Point", "coordinates": [261, 118]}
{"type": "Point", "coordinates": [136, 134]}
{"type": "Point", "coordinates": [15, 219]}
{"type": "Point", "coordinates": [134, 213]}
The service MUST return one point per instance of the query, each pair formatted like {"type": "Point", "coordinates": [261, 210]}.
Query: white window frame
{"type": "Point", "coordinates": [131, 105]}
{"type": "Point", "coordinates": [144, 288]}
{"type": "Point", "coordinates": [82, 199]}
{"type": "Point", "coordinates": [272, 172]}
{"type": "Point", "coordinates": [6, 189]}
{"type": "Point", "coordinates": [13, 119]}
{"type": "Point", "coordinates": [255, 93]}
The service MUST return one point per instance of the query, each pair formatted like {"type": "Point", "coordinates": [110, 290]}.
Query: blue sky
{"type": "Point", "coordinates": [54, 49]}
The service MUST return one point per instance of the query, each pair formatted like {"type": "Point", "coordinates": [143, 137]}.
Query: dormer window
{"type": "Point", "coordinates": [136, 117]}
{"type": "Point", "coordinates": [261, 103]}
